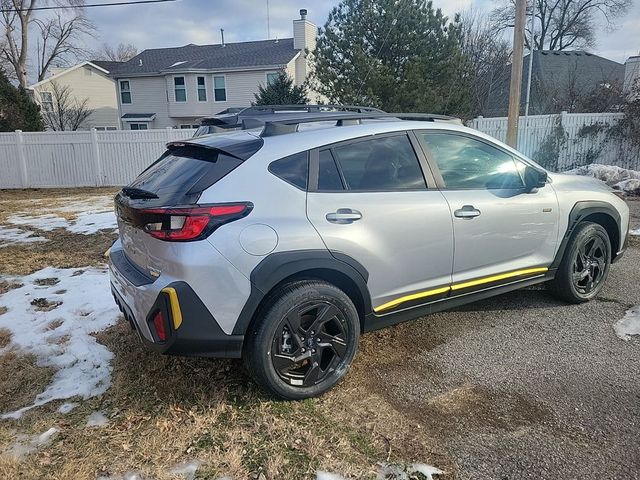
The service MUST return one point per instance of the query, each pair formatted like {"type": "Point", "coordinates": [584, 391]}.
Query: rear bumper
{"type": "Point", "coordinates": [140, 298]}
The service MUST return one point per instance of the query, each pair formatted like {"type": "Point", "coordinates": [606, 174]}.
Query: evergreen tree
{"type": "Point", "coordinates": [398, 55]}
{"type": "Point", "coordinates": [17, 110]}
{"type": "Point", "coordinates": [281, 91]}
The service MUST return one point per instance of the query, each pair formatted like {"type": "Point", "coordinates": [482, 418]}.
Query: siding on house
{"type": "Point", "coordinates": [87, 82]}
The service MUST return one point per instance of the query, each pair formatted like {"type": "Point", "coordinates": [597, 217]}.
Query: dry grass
{"type": "Point", "coordinates": [21, 380]}
{"type": "Point", "coordinates": [5, 337]}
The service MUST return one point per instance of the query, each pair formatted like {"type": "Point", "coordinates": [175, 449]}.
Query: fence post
{"type": "Point", "coordinates": [169, 136]}
{"type": "Point", "coordinates": [96, 158]}
{"type": "Point", "coordinates": [22, 159]}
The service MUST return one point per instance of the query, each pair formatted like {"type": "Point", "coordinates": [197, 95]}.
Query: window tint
{"type": "Point", "coordinates": [293, 169]}
{"type": "Point", "coordinates": [468, 163]}
{"type": "Point", "coordinates": [387, 163]}
{"type": "Point", "coordinates": [328, 175]}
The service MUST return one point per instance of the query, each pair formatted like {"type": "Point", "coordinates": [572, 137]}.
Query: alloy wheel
{"type": "Point", "coordinates": [589, 265]}
{"type": "Point", "coordinates": [310, 343]}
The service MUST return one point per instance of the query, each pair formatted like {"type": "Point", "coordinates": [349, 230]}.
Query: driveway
{"type": "Point", "coordinates": [524, 386]}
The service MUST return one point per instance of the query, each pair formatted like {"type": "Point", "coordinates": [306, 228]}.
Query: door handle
{"type": "Point", "coordinates": [343, 216]}
{"type": "Point", "coordinates": [467, 211]}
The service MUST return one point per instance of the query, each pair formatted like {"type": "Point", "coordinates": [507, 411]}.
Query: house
{"type": "Point", "coordinates": [560, 80]}
{"type": "Point", "coordinates": [88, 80]}
{"type": "Point", "coordinates": [175, 87]}
{"type": "Point", "coordinates": [632, 76]}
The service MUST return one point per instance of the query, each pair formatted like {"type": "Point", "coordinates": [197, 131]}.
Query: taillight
{"type": "Point", "coordinates": [191, 223]}
{"type": "Point", "coordinates": [159, 325]}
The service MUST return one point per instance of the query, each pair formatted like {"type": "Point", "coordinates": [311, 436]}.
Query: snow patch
{"type": "Point", "coordinates": [186, 469]}
{"type": "Point", "coordinates": [393, 471]}
{"type": "Point", "coordinates": [84, 223]}
{"type": "Point", "coordinates": [126, 476]}
{"type": "Point", "coordinates": [25, 444]}
{"type": "Point", "coordinates": [67, 407]}
{"type": "Point", "coordinates": [629, 324]}
{"type": "Point", "coordinates": [61, 337]}
{"type": "Point", "coordinates": [97, 419]}
{"type": "Point", "coordinates": [619, 178]}
{"type": "Point", "coordinates": [322, 475]}
{"type": "Point", "coordinates": [11, 236]}
{"type": "Point", "coordinates": [635, 232]}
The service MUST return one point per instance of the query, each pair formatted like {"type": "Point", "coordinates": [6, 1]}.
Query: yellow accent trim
{"type": "Point", "coordinates": [414, 296]}
{"type": "Point", "coordinates": [176, 313]}
{"type": "Point", "coordinates": [502, 276]}
{"type": "Point", "coordinates": [458, 286]}
{"type": "Point", "coordinates": [107, 253]}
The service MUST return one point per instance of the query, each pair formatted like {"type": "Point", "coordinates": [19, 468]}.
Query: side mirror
{"type": "Point", "coordinates": [534, 178]}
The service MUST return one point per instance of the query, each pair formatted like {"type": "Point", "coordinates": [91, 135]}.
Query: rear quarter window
{"type": "Point", "coordinates": [293, 169]}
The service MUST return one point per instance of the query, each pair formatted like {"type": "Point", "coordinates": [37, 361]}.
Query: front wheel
{"type": "Point", "coordinates": [584, 266]}
{"type": "Point", "coordinates": [303, 341]}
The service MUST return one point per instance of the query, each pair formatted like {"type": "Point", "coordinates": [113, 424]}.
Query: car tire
{"type": "Point", "coordinates": [310, 321]}
{"type": "Point", "coordinates": [585, 264]}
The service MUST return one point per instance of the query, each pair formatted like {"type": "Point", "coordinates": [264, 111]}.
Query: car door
{"type": "Point", "coordinates": [369, 199]}
{"type": "Point", "coordinates": [502, 233]}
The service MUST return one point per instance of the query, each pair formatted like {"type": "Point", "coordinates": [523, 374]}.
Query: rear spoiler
{"type": "Point", "coordinates": [240, 149]}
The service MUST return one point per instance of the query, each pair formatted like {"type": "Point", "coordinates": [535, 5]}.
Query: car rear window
{"type": "Point", "coordinates": [182, 173]}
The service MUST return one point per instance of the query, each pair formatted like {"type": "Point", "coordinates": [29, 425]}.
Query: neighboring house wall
{"type": "Point", "coordinates": [631, 75]}
{"type": "Point", "coordinates": [92, 84]}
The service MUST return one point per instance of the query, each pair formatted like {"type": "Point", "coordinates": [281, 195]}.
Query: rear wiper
{"type": "Point", "coordinates": [135, 193]}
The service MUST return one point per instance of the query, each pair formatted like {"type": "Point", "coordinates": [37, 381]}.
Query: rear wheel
{"type": "Point", "coordinates": [585, 265]}
{"type": "Point", "coordinates": [304, 340]}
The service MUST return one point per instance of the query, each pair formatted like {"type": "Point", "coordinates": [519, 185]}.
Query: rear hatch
{"type": "Point", "coordinates": [171, 185]}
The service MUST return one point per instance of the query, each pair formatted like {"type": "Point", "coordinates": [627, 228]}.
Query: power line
{"type": "Point", "coordinates": [60, 7]}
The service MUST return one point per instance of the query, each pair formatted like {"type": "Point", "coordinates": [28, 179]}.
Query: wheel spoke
{"type": "Point", "coordinates": [337, 344]}
{"type": "Point", "coordinates": [326, 313]}
{"type": "Point", "coordinates": [312, 375]}
{"type": "Point", "coordinates": [283, 363]}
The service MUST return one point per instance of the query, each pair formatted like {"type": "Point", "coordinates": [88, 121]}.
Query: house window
{"type": "Point", "coordinates": [138, 126]}
{"type": "Point", "coordinates": [272, 77]}
{"type": "Point", "coordinates": [202, 90]}
{"type": "Point", "coordinates": [125, 91]}
{"type": "Point", "coordinates": [219, 88]}
{"type": "Point", "coordinates": [180, 89]}
{"type": "Point", "coordinates": [46, 99]}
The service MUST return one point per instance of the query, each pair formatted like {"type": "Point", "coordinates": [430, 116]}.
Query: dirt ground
{"type": "Point", "coordinates": [514, 387]}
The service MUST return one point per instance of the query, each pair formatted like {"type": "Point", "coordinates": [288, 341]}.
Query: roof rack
{"type": "Point", "coordinates": [290, 125]}
{"type": "Point", "coordinates": [308, 108]}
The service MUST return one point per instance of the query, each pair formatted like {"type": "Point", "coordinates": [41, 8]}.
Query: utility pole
{"type": "Point", "coordinates": [516, 73]}
{"type": "Point", "coordinates": [532, 39]}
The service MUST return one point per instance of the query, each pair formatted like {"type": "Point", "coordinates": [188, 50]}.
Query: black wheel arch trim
{"type": "Point", "coordinates": [277, 267]}
{"type": "Point", "coordinates": [579, 212]}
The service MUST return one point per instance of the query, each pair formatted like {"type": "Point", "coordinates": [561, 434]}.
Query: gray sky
{"type": "Point", "coordinates": [199, 21]}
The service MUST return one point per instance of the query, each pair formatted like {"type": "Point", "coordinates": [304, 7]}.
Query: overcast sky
{"type": "Point", "coordinates": [199, 21]}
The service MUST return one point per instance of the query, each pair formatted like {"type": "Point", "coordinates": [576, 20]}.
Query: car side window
{"type": "Point", "coordinates": [467, 163]}
{"type": "Point", "coordinates": [328, 175]}
{"type": "Point", "coordinates": [293, 169]}
{"type": "Point", "coordinates": [380, 164]}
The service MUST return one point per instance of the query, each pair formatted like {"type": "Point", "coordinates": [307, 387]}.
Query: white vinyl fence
{"type": "Point", "coordinates": [80, 159]}
{"type": "Point", "coordinates": [567, 140]}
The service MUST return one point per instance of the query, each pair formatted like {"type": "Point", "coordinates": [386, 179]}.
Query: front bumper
{"type": "Point", "coordinates": [140, 297]}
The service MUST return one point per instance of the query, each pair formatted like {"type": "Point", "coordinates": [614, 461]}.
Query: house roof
{"type": "Point", "coordinates": [552, 72]}
{"type": "Point", "coordinates": [217, 57]}
{"type": "Point", "coordinates": [108, 65]}
{"type": "Point", "coordinates": [69, 70]}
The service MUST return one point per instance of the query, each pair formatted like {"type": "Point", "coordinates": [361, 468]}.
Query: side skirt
{"type": "Point", "coordinates": [376, 322]}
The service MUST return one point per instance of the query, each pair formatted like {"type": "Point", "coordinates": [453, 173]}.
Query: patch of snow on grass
{"type": "Point", "coordinates": [629, 324]}
{"type": "Point", "coordinates": [85, 223]}
{"type": "Point", "coordinates": [635, 232]}
{"type": "Point", "coordinates": [25, 445]}
{"type": "Point", "coordinates": [616, 177]}
{"type": "Point", "coordinates": [67, 407]}
{"type": "Point", "coordinates": [46, 222]}
{"type": "Point", "coordinates": [11, 236]}
{"type": "Point", "coordinates": [61, 337]}
{"type": "Point", "coordinates": [186, 469]}
{"type": "Point", "coordinates": [321, 475]}
{"type": "Point", "coordinates": [97, 419]}
{"type": "Point", "coordinates": [394, 471]}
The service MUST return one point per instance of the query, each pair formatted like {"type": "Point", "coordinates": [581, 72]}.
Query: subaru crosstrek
{"type": "Point", "coordinates": [282, 246]}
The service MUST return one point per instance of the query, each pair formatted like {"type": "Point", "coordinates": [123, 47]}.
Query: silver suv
{"type": "Point", "coordinates": [282, 246]}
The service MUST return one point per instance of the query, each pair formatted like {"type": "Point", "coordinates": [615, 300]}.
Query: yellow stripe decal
{"type": "Point", "coordinates": [458, 286]}
{"type": "Point", "coordinates": [413, 296]}
{"type": "Point", "coordinates": [502, 276]}
{"type": "Point", "coordinates": [176, 313]}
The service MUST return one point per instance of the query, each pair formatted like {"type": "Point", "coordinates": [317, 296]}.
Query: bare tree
{"type": "Point", "coordinates": [120, 53]}
{"type": "Point", "coordinates": [563, 24]}
{"type": "Point", "coordinates": [65, 112]}
{"type": "Point", "coordinates": [59, 40]}
{"type": "Point", "coordinates": [488, 54]}
{"type": "Point", "coordinates": [58, 35]}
